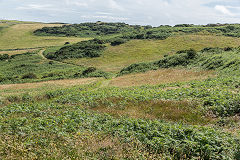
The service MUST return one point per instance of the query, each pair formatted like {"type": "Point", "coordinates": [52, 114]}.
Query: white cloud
{"type": "Point", "coordinates": [104, 13]}
{"type": "Point", "coordinates": [154, 12]}
{"type": "Point", "coordinates": [77, 3]}
{"type": "Point", "coordinates": [35, 6]}
{"type": "Point", "coordinates": [114, 5]}
{"type": "Point", "coordinates": [223, 9]}
{"type": "Point", "coordinates": [104, 17]}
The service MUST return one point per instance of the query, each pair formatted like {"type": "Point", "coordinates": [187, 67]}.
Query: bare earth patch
{"type": "Point", "coordinates": [160, 77]}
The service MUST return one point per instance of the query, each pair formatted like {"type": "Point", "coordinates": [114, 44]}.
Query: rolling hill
{"type": "Point", "coordinates": [118, 91]}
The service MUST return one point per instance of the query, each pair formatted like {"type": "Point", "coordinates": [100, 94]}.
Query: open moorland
{"type": "Point", "coordinates": [118, 91]}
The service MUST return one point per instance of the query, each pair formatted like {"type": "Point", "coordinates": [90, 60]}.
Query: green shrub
{"type": "Point", "coordinates": [29, 76]}
{"type": "Point", "coordinates": [118, 41]}
{"type": "Point", "coordinates": [51, 62]}
{"type": "Point", "coordinates": [86, 29]}
{"type": "Point", "coordinates": [27, 97]}
{"type": "Point", "coordinates": [66, 43]}
{"type": "Point", "coordinates": [88, 70]}
{"type": "Point", "coordinates": [138, 67]}
{"type": "Point", "coordinates": [4, 57]}
{"type": "Point", "coordinates": [92, 48]}
{"type": "Point", "coordinates": [13, 98]}
{"type": "Point", "coordinates": [212, 50]}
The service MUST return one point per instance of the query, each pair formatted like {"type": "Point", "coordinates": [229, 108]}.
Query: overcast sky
{"type": "Point", "coordinates": [153, 12]}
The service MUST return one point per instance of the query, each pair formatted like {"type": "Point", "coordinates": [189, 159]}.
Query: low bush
{"type": "Point", "coordinates": [138, 67]}
{"type": "Point", "coordinates": [118, 41]}
{"type": "Point", "coordinates": [92, 48]}
{"type": "Point", "coordinates": [4, 57]}
{"type": "Point", "coordinates": [29, 76]}
{"type": "Point", "coordinates": [88, 70]}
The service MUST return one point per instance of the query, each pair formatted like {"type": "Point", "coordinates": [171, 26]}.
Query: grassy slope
{"type": "Point", "coordinates": [35, 63]}
{"type": "Point", "coordinates": [60, 128]}
{"type": "Point", "coordinates": [20, 36]}
{"type": "Point", "coordinates": [7, 90]}
{"type": "Point", "coordinates": [161, 76]}
{"type": "Point", "coordinates": [115, 58]}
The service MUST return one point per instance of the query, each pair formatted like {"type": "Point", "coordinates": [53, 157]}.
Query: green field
{"type": "Point", "coordinates": [173, 97]}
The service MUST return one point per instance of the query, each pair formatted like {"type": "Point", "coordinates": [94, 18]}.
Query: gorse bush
{"type": "Point", "coordinates": [118, 41]}
{"type": "Point", "coordinates": [92, 48]}
{"type": "Point", "coordinates": [86, 29]}
{"type": "Point", "coordinates": [140, 67]}
{"type": "Point", "coordinates": [89, 70]}
{"type": "Point", "coordinates": [29, 76]}
{"type": "Point", "coordinates": [136, 31]}
{"type": "Point", "coordinates": [4, 57]}
{"type": "Point", "coordinates": [183, 59]}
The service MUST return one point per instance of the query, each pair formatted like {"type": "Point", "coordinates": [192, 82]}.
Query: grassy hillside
{"type": "Point", "coordinates": [13, 90]}
{"type": "Point", "coordinates": [132, 125]}
{"type": "Point", "coordinates": [174, 94]}
{"type": "Point", "coordinates": [32, 67]}
{"type": "Point", "coordinates": [117, 57]}
{"type": "Point", "coordinates": [161, 76]}
{"type": "Point", "coordinates": [21, 36]}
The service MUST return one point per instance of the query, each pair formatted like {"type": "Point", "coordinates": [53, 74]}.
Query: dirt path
{"type": "Point", "coordinates": [40, 53]}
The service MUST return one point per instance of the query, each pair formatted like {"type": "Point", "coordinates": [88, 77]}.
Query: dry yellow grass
{"type": "Point", "coordinates": [17, 51]}
{"type": "Point", "coordinates": [13, 89]}
{"type": "Point", "coordinates": [160, 77]}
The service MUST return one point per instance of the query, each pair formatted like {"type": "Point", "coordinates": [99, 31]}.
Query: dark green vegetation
{"type": "Point", "coordinates": [1, 29]}
{"type": "Point", "coordinates": [117, 41]}
{"type": "Point", "coordinates": [4, 57]}
{"type": "Point", "coordinates": [86, 29]}
{"type": "Point", "coordinates": [136, 31]}
{"type": "Point", "coordinates": [91, 48]}
{"type": "Point", "coordinates": [31, 67]}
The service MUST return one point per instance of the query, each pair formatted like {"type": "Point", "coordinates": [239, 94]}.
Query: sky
{"type": "Point", "coordinates": [142, 12]}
